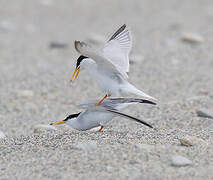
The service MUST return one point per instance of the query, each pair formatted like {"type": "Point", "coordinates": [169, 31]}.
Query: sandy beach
{"type": "Point", "coordinates": [171, 60]}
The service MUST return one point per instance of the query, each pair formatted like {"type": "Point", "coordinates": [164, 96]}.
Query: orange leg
{"type": "Point", "coordinates": [101, 129]}
{"type": "Point", "coordinates": [99, 103]}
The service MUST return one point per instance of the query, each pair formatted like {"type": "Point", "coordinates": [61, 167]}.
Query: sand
{"type": "Point", "coordinates": [35, 89]}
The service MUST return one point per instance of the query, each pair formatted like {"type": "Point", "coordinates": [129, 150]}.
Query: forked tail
{"type": "Point", "coordinates": [133, 90]}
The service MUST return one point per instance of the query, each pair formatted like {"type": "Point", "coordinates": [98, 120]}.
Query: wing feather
{"type": "Point", "coordinates": [114, 103]}
{"type": "Point", "coordinates": [117, 49]}
{"type": "Point", "coordinates": [115, 112]}
{"type": "Point", "coordinates": [118, 32]}
{"type": "Point", "coordinates": [115, 53]}
{"type": "Point", "coordinates": [86, 50]}
{"type": "Point", "coordinates": [129, 117]}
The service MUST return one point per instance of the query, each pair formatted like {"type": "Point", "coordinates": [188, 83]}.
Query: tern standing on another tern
{"type": "Point", "coordinates": [109, 65]}
{"type": "Point", "coordinates": [94, 116]}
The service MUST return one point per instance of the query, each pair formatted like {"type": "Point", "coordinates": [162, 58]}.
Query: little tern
{"type": "Point", "coordinates": [94, 116]}
{"type": "Point", "coordinates": [109, 65]}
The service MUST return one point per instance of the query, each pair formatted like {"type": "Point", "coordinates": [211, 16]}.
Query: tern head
{"type": "Point", "coordinates": [77, 68]}
{"type": "Point", "coordinates": [67, 120]}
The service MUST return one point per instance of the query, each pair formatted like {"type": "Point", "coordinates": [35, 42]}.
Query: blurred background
{"type": "Point", "coordinates": [171, 56]}
{"type": "Point", "coordinates": [171, 59]}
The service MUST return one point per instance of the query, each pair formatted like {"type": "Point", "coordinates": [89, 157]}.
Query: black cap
{"type": "Point", "coordinates": [80, 59]}
{"type": "Point", "coordinates": [71, 116]}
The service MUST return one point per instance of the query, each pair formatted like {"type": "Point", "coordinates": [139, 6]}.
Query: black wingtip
{"type": "Point", "coordinates": [130, 117]}
{"type": "Point", "coordinates": [149, 125]}
{"type": "Point", "coordinates": [123, 26]}
{"type": "Point", "coordinates": [75, 42]}
{"type": "Point", "coordinates": [118, 32]}
{"type": "Point", "coordinates": [148, 102]}
{"type": "Point", "coordinates": [76, 45]}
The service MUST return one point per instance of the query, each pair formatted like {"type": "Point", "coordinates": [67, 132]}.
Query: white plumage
{"type": "Point", "coordinates": [110, 64]}
{"type": "Point", "coordinates": [94, 116]}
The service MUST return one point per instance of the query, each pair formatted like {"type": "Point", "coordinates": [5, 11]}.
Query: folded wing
{"type": "Point", "coordinates": [130, 117]}
{"type": "Point", "coordinates": [114, 103]}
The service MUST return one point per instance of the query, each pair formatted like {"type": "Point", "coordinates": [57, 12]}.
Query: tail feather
{"type": "Point", "coordinates": [133, 90]}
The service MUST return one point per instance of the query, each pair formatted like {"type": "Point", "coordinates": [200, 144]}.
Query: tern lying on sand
{"type": "Point", "coordinates": [94, 116]}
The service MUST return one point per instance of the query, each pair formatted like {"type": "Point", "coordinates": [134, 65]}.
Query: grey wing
{"type": "Point", "coordinates": [86, 50]}
{"type": "Point", "coordinates": [115, 103]}
{"type": "Point", "coordinates": [91, 105]}
{"type": "Point", "coordinates": [117, 49]}
{"type": "Point", "coordinates": [128, 100]}
{"type": "Point", "coordinates": [110, 109]}
{"type": "Point", "coordinates": [117, 113]}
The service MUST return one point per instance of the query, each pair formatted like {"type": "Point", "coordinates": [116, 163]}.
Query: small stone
{"type": "Point", "coordinates": [175, 61]}
{"type": "Point", "coordinates": [87, 145]}
{"type": "Point", "coordinates": [6, 26]}
{"type": "Point", "coordinates": [58, 45]}
{"type": "Point", "coordinates": [192, 141]}
{"type": "Point", "coordinates": [2, 135]}
{"type": "Point", "coordinates": [204, 113]}
{"type": "Point", "coordinates": [129, 136]}
{"type": "Point", "coordinates": [180, 161]}
{"type": "Point", "coordinates": [40, 128]}
{"type": "Point", "coordinates": [203, 92]}
{"type": "Point", "coordinates": [192, 38]}
{"type": "Point", "coordinates": [26, 93]}
{"type": "Point", "coordinates": [109, 168]}
{"type": "Point", "coordinates": [18, 143]}
{"type": "Point", "coordinates": [133, 162]}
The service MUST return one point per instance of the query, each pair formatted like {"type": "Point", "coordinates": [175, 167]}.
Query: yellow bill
{"type": "Point", "coordinates": [58, 122]}
{"type": "Point", "coordinates": [75, 74]}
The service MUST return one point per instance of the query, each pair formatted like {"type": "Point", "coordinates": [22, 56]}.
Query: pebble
{"type": "Point", "coordinates": [204, 113]}
{"type": "Point", "coordinates": [109, 168]}
{"type": "Point", "coordinates": [129, 136]}
{"type": "Point", "coordinates": [40, 128]}
{"type": "Point", "coordinates": [6, 26]}
{"type": "Point", "coordinates": [180, 161]}
{"type": "Point", "coordinates": [203, 92]}
{"type": "Point", "coordinates": [58, 45]}
{"type": "Point", "coordinates": [25, 93]}
{"type": "Point", "coordinates": [133, 162]}
{"type": "Point", "coordinates": [87, 145]}
{"type": "Point", "coordinates": [175, 61]}
{"type": "Point", "coordinates": [192, 38]}
{"type": "Point", "coordinates": [192, 141]}
{"type": "Point", "coordinates": [2, 135]}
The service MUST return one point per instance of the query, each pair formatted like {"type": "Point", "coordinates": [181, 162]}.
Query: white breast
{"type": "Point", "coordinates": [87, 120]}
{"type": "Point", "coordinates": [108, 82]}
